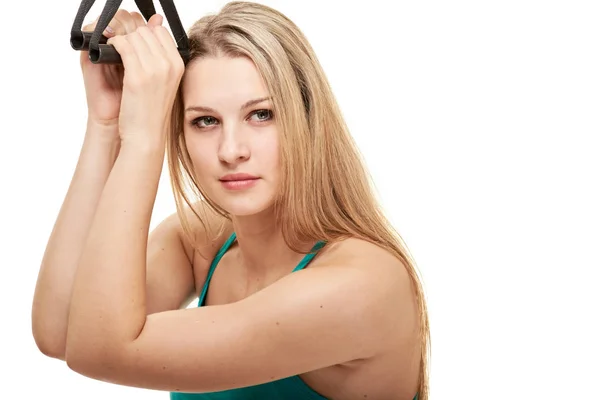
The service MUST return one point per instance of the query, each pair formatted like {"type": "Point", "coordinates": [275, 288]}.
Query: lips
{"type": "Point", "coordinates": [238, 177]}
{"type": "Point", "coordinates": [237, 182]}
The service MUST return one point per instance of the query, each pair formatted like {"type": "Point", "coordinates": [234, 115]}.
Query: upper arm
{"type": "Point", "coordinates": [172, 262]}
{"type": "Point", "coordinates": [349, 313]}
{"type": "Point", "coordinates": [169, 273]}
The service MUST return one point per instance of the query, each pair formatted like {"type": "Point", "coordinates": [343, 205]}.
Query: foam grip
{"type": "Point", "coordinates": [81, 40]}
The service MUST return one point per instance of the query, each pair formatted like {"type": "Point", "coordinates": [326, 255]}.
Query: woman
{"type": "Point", "coordinates": [305, 290]}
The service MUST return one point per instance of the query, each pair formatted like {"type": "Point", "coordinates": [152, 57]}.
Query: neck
{"type": "Point", "coordinates": [262, 250]}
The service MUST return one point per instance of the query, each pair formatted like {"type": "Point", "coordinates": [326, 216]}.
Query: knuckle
{"type": "Point", "coordinates": [117, 26]}
{"type": "Point", "coordinates": [125, 46]}
{"type": "Point", "coordinates": [138, 19]}
{"type": "Point", "coordinates": [121, 12]}
{"type": "Point", "coordinates": [135, 35]}
{"type": "Point", "coordinates": [126, 20]}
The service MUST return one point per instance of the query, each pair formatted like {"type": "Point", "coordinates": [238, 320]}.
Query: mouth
{"type": "Point", "coordinates": [238, 181]}
{"type": "Point", "coordinates": [238, 177]}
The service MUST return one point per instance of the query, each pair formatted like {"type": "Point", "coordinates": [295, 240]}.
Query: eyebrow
{"type": "Point", "coordinates": [247, 104]}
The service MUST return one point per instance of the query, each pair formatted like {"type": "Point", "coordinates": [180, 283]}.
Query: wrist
{"type": "Point", "coordinates": [107, 131]}
{"type": "Point", "coordinates": [147, 141]}
{"type": "Point", "coordinates": [147, 144]}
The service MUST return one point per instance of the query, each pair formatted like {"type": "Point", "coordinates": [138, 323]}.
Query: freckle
{"type": "Point", "coordinates": [272, 377]}
{"type": "Point", "coordinates": [321, 306]}
{"type": "Point", "coordinates": [213, 322]}
{"type": "Point", "coordinates": [164, 367]}
{"type": "Point", "coordinates": [277, 322]}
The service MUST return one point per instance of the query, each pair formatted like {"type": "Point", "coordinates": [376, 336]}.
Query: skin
{"type": "Point", "coordinates": [346, 324]}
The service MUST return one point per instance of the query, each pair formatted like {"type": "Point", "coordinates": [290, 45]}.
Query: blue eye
{"type": "Point", "coordinates": [208, 121]}
{"type": "Point", "coordinates": [204, 122]}
{"type": "Point", "coordinates": [263, 115]}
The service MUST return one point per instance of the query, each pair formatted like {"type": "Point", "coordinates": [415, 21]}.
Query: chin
{"type": "Point", "coordinates": [245, 207]}
{"type": "Point", "coordinates": [246, 202]}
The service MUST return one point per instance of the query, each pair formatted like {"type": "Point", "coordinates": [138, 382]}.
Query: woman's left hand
{"type": "Point", "coordinates": [153, 71]}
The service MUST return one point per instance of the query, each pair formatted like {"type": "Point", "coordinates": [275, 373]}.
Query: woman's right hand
{"type": "Point", "coordinates": [104, 82]}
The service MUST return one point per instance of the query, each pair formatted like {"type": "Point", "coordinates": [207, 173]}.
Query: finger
{"type": "Point", "coordinates": [154, 46]}
{"type": "Point", "coordinates": [155, 20]}
{"type": "Point", "coordinates": [126, 22]}
{"type": "Point", "coordinates": [143, 51]}
{"type": "Point", "coordinates": [128, 54]}
{"type": "Point", "coordinates": [110, 30]}
{"type": "Point", "coordinates": [138, 19]}
{"type": "Point", "coordinates": [167, 42]}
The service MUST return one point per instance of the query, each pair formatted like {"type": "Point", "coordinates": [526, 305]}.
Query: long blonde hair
{"type": "Point", "coordinates": [325, 192]}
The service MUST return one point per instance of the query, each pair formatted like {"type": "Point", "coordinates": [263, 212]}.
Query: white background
{"type": "Point", "coordinates": [479, 122]}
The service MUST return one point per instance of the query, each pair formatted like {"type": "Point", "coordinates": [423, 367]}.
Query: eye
{"type": "Point", "coordinates": [263, 115]}
{"type": "Point", "coordinates": [203, 122]}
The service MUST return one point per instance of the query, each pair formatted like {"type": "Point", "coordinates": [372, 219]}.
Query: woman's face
{"type": "Point", "coordinates": [229, 129]}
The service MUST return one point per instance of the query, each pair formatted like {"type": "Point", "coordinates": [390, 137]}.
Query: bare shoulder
{"type": "Point", "coordinates": [361, 254]}
{"type": "Point", "coordinates": [385, 282]}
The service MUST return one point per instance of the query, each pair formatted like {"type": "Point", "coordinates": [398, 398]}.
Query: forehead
{"type": "Point", "coordinates": [222, 80]}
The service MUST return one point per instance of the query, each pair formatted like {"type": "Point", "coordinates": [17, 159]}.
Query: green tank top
{"type": "Point", "coordinates": [292, 388]}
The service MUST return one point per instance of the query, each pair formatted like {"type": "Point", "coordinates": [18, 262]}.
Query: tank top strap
{"type": "Point", "coordinates": [303, 263]}
{"type": "Point", "coordinates": [309, 256]}
{"type": "Point", "coordinates": [213, 266]}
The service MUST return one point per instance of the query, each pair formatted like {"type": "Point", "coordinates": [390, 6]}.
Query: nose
{"type": "Point", "coordinates": [233, 147]}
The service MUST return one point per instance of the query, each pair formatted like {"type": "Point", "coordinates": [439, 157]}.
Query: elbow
{"type": "Point", "coordinates": [82, 362]}
{"type": "Point", "coordinates": [50, 345]}
{"type": "Point", "coordinates": [52, 350]}
{"type": "Point", "coordinates": [79, 357]}
{"type": "Point", "coordinates": [90, 359]}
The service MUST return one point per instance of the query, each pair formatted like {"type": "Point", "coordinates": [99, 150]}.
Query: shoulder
{"type": "Point", "coordinates": [382, 287]}
{"type": "Point", "coordinates": [367, 259]}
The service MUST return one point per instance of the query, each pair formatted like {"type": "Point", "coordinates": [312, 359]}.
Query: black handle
{"type": "Point", "coordinates": [95, 42]}
{"type": "Point", "coordinates": [107, 54]}
{"type": "Point", "coordinates": [81, 40]}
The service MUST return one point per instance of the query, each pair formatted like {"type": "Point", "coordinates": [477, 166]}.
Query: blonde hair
{"type": "Point", "coordinates": [325, 192]}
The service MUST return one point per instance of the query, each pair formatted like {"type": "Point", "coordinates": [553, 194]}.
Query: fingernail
{"type": "Point", "coordinates": [109, 30]}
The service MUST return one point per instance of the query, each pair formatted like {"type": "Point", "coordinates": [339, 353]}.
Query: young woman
{"type": "Point", "coordinates": [305, 290]}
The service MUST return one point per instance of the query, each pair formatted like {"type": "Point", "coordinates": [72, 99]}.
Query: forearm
{"type": "Point", "coordinates": [108, 302]}
{"type": "Point", "coordinates": [51, 301]}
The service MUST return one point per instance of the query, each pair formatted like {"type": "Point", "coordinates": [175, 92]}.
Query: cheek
{"type": "Point", "coordinates": [200, 153]}
{"type": "Point", "coordinates": [269, 150]}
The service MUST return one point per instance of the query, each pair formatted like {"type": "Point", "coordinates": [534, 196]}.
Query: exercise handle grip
{"type": "Point", "coordinates": [96, 43]}
{"type": "Point", "coordinates": [81, 40]}
{"type": "Point", "coordinates": [107, 54]}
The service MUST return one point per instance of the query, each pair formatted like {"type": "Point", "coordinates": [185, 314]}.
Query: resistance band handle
{"type": "Point", "coordinates": [95, 42]}
{"type": "Point", "coordinates": [81, 40]}
{"type": "Point", "coordinates": [107, 54]}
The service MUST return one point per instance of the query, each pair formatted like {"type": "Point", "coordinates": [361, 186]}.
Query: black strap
{"type": "Point", "coordinates": [95, 42]}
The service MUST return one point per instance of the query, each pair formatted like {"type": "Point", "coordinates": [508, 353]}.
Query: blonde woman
{"type": "Point", "coordinates": [305, 290]}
